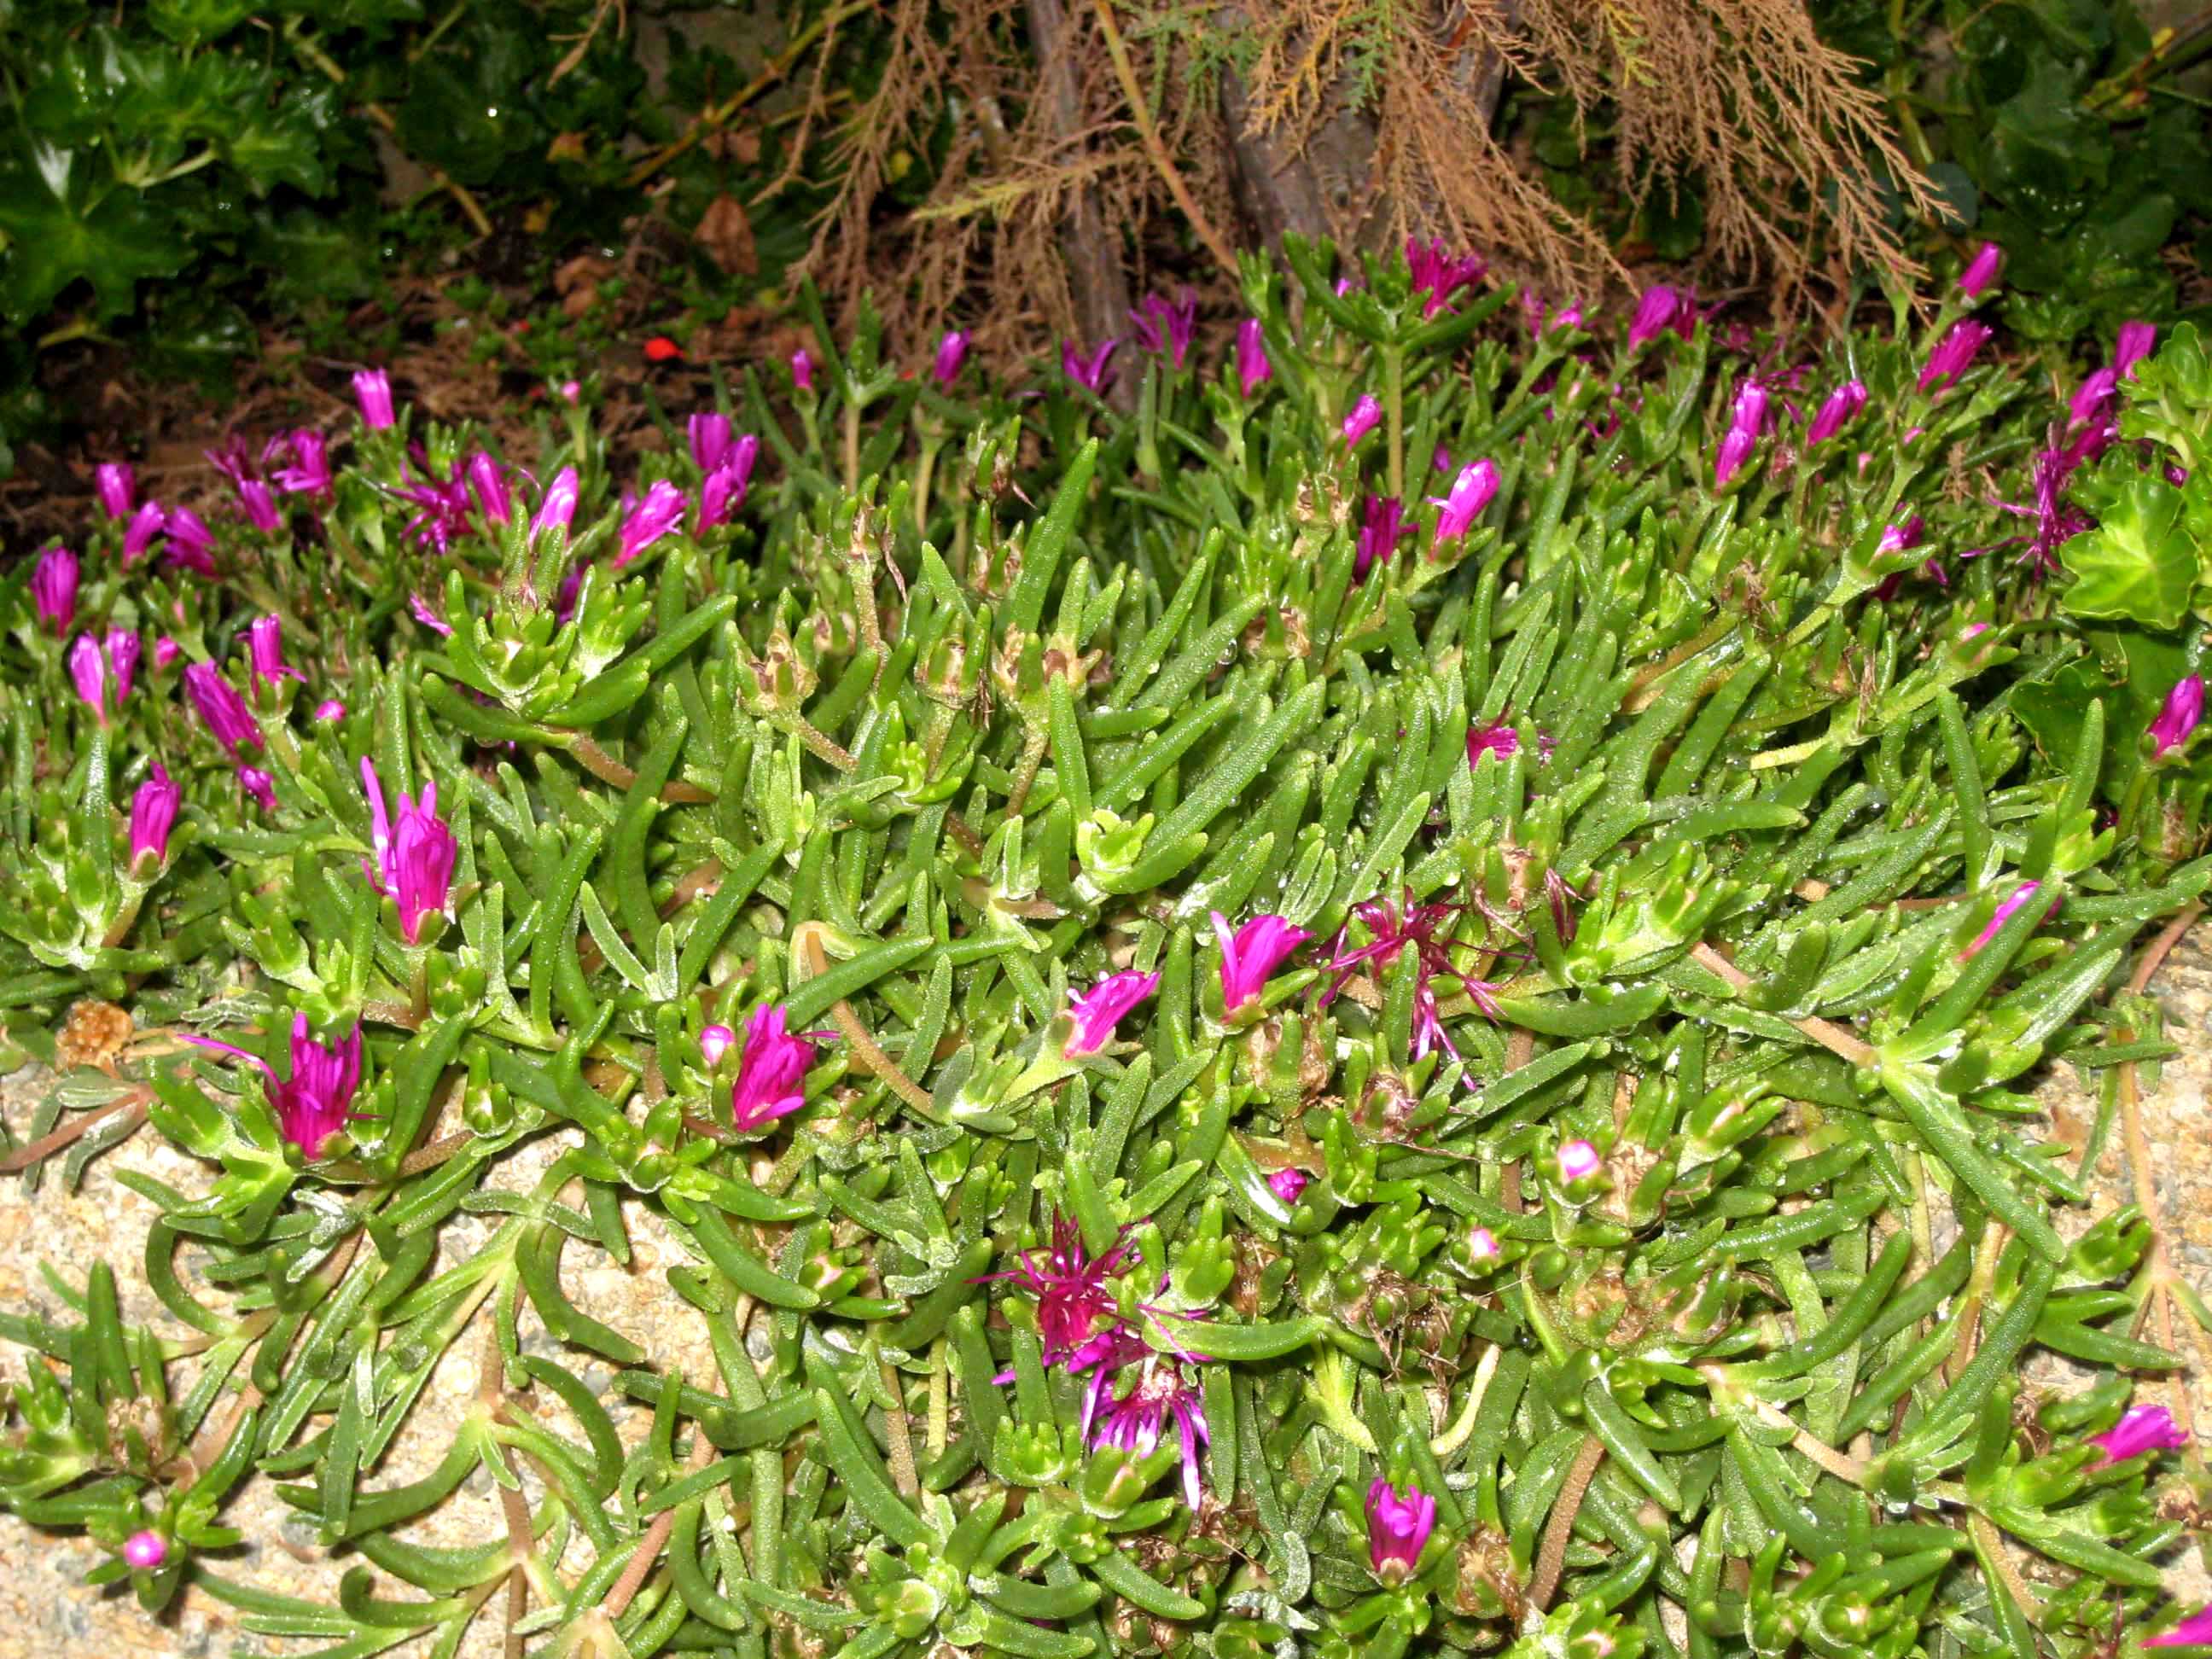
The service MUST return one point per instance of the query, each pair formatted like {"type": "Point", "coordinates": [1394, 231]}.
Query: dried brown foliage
{"type": "Point", "coordinates": [1740, 97]}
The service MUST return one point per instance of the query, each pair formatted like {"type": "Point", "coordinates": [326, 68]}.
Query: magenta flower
{"type": "Point", "coordinates": [117, 487]}
{"type": "Point", "coordinates": [557, 507]}
{"type": "Point", "coordinates": [1361, 419]}
{"type": "Point", "coordinates": [660, 511]}
{"type": "Point", "coordinates": [265, 640]}
{"type": "Point", "coordinates": [259, 507]}
{"type": "Point", "coordinates": [1070, 1285]}
{"type": "Point", "coordinates": [951, 352]}
{"type": "Point", "coordinates": [53, 588]}
{"type": "Point", "coordinates": [329, 709]}
{"type": "Point", "coordinates": [772, 1073]}
{"type": "Point", "coordinates": [1981, 272]}
{"type": "Point", "coordinates": [2135, 343]}
{"type": "Point", "coordinates": [1501, 738]}
{"type": "Point", "coordinates": [1397, 1529]}
{"type": "Point", "coordinates": [1380, 529]}
{"type": "Point", "coordinates": [166, 651]}
{"type": "Point", "coordinates": [191, 543]}
{"type": "Point", "coordinates": [316, 1101]}
{"type": "Point", "coordinates": [145, 1551]}
{"type": "Point", "coordinates": [1953, 354]}
{"type": "Point", "coordinates": [1099, 1010]}
{"type": "Point", "coordinates": [1661, 308]}
{"type": "Point", "coordinates": [2143, 1429]}
{"type": "Point", "coordinates": [441, 506]}
{"type": "Point", "coordinates": [2005, 912]}
{"type": "Point", "coordinates": [573, 391]}
{"type": "Point", "coordinates": [1252, 952]}
{"type": "Point", "coordinates": [1843, 406]}
{"type": "Point", "coordinates": [722, 491]}
{"type": "Point", "coordinates": [1093, 372]}
{"type": "Point", "coordinates": [414, 856]}
{"type": "Point", "coordinates": [138, 536]}
{"type": "Point", "coordinates": [372, 390]}
{"type": "Point", "coordinates": [2097, 389]}
{"type": "Point", "coordinates": [2184, 708]}
{"type": "Point", "coordinates": [1437, 274]}
{"type": "Point", "coordinates": [1162, 327]}
{"type": "Point", "coordinates": [2195, 1630]}
{"type": "Point", "coordinates": [310, 471]}
{"type": "Point", "coordinates": [1578, 1161]}
{"type": "Point", "coordinates": [1482, 1244]}
{"type": "Point", "coordinates": [1391, 928]}
{"type": "Point", "coordinates": [259, 785]}
{"type": "Point", "coordinates": [1252, 369]}
{"type": "Point", "coordinates": [714, 1041]}
{"type": "Point", "coordinates": [1542, 320]}
{"type": "Point", "coordinates": [123, 652]}
{"type": "Point", "coordinates": [1901, 538]}
{"type": "Point", "coordinates": [487, 484]}
{"type": "Point", "coordinates": [1746, 426]}
{"type": "Point", "coordinates": [228, 719]}
{"type": "Point", "coordinates": [711, 436]}
{"type": "Point", "coordinates": [1287, 1184]}
{"type": "Point", "coordinates": [233, 460]}
{"type": "Point", "coordinates": [1132, 1420]}
{"type": "Point", "coordinates": [802, 371]}
{"type": "Point", "coordinates": [1474, 488]}
{"type": "Point", "coordinates": [88, 670]}
{"type": "Point", "coordinates": [419, 608]}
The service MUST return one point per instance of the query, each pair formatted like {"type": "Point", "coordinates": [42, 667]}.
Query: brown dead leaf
{"type": "Point", "coordinates": [94, 1034]}
{"type": "Point", "coordinates": [577, 281]}
{"type": "Point", "coordinates": [728, 236]}
{"type": "Point", "coordinates": [567, 147]}
{"type": "Point", "coordinates": [740, 144]}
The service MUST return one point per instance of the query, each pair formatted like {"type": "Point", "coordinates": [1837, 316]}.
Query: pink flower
{"type": "Point", "coordinates": [1482, 1244]}
{"type": "Point", "coordinates": [1843, 406]}
{"type": "Point", "coordinates": [571, 391]}
{"type": "Point", "coordinates": [1099, 1010]}
{"type": "Point", "coordinates": [53, 588]}
{"type": "Point", "coordinates": [722, 491]}
{"type": "Point", "coordinates": [265, 640]}
{"type": "Point", "coordinates": [772, 1073]}
{"type": "Point", "coordinates": [117, 487]}
{"type": "Point", "coordinates": [1287, 1184]}
{"type": "Point", "coordinates": [1397, 1529]}
{"type": "Point", "coordinates": [2134, 344]}
{"type": "Point", "coordinates": [2005, 912]}
{"type": "Point", "coordinates": [1361, 419]}
{"type": "Point", "coordinates": [1953, 354]}
{"type": "Point", "coordinates": [1379, 530]}
{"type": "Point", "coordinates": [1162, 327]}
{"type": "Point", "coordinates": [372, 390]}
{"type": "Point", "coordinates": [714, 1041]}
{"type": "Point", "coordinates": [259, 507]}
{"type": "Point", "coordinates": [802, 371]}
{"type": "Point", "coordinates": [2195, 1630]}
{"type": "Point", "coordinates": [2143, 1429]}
{"type": "Point", "coordinates": [441, 508]}
{"type": "Point", "coordinates": [1746, 426]}
{"type": "Point", "coordinates": [1474, 488]}
{"type": "Point", "coordinates": [419, 608]}
{"type": "Point", "coordinates": [310, 471]}
{"type": "Point", "coordinates": [1534, 310]}
{"type": "Point", "coordinates": [1092, 373]}
{"type": "Point", "coordinates": [329, 709]}
{"type": "Point", "coordinates": [1252, 369]}
{"type": "Point", "coordinates": [1437, 274]}
{"type": "Point", "coordinates": [487, 484]}
{"type": "Point", "coordinates": [2097, 389]}
{"type": "Point", "coordinates": [191, 543]}
{"type": "Point", "coordinates": [557, 507]}
{"type": "Point", "coordinates": [1902, 538]}
{"type": "Point", "coordinates": [1981, 271]}
{"type": "Point", "coordinates": [145, 1551]}
{"type": "Point", "coordinates": [951, 352]}
{"type": "Point", "coordinates": [2183, 709]}
{"type": "Point", "coordinates": [414, 856]}
{"type": "Point", "coordinates": [1661, 308]}
{"type": "Point", "coordinates": [315, 1101]}
{"type": "Point", "coordinates": [259, 785]}
{"type": "Point", "coordinates": [711, 436]}
{"type": "Point", "coordinates": [153, 815]}
{"type": "Point", "coordinates": [228, 719]}
{"type": "Point", "coordinates": [1252, 953]}
{"type": "Point", "coordinates": [166, 651]}
{"type": "Point", "coordinates": [1132, 1420]}
{"type": "Point", "coordinates": [1392, 928]}
{"type": "Point", "coordinates": [660, 511]}
{"type": "Point", "coordinates": [88, 670]}
{"type": "Point", "coordinates": [1501, 738]}
{"type": "Point", "coordinates": [1578, 1161]}
{"type": "Point", "coordinates": [123, 651]}
{"type": "Point", "coordinates": [1070, 1285]}
{"type": "Point", "coordinates": [138, 536]}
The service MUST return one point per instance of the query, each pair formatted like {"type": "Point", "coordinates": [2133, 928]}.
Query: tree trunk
{"type": "Point", "coordinates": [1091, 249]}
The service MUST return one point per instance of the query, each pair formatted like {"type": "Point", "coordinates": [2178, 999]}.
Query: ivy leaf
{"type": "Point", "coordinates": [2138, 562]}
{"type": "Point", "coordinates": [111, 241]}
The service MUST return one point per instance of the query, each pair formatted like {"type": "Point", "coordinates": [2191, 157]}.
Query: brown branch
{"type": "Point", "coordinates": [808, 940]}
{"type": "Point", "coordinates": [1552, 1558]}
{"type": "Point", "coordinates": [1224, 255]}
{"type": "Point", "coordinates": [1832, 1037]}
{"type": "Point", "coordinates": [47, 1145]}
{"type": "Point", "coordinates": [607, 769]}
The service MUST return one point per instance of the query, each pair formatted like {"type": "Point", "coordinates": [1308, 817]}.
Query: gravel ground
{"type": "Point", "coordinates": [45, 1611]}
